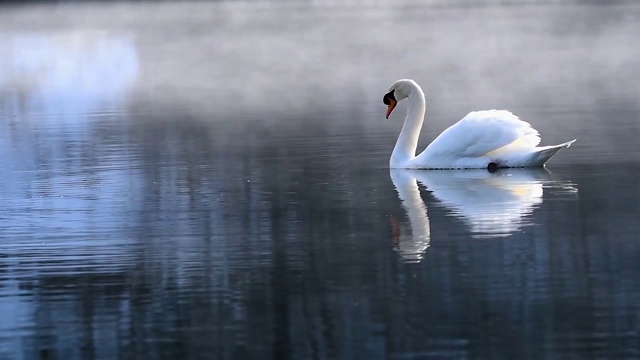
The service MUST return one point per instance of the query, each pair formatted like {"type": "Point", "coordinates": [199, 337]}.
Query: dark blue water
{"type": "Point", "coordinates": [210, 180]}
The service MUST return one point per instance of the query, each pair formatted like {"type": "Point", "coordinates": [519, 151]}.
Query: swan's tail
{"type": "Point", "coordinates": [544, 153]}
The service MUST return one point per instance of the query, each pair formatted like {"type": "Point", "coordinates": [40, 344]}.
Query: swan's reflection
{"type": "Point", "coordinates": [411, 241]}
{"type": "Point", "coordinates": [490, 204]}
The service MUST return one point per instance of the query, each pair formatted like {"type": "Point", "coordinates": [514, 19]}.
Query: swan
{"type": "Point", "coordinates": [482, 139]}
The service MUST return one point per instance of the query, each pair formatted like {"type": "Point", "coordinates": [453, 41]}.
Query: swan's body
{"type": "Point", "coordinates": [489, 138]}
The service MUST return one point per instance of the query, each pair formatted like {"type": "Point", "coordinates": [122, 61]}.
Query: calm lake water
{"type": "Point", "coordinates": [210, 181]}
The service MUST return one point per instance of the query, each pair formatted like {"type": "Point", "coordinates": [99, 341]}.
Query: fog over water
{"type": "Point", "coordinates": [210, 180]}
{"type": "Point", "coordinates": [564, 67]}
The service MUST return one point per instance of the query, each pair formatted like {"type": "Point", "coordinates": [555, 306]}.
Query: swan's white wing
{"type": "Point", "coordinates": [482, 132]}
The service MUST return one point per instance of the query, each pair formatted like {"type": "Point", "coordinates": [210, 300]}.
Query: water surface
{"type": "Point", "coordinates": [210, 180]}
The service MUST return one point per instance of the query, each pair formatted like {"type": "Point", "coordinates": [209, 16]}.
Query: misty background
{"type": "Point", "coordinates": [560, 66]}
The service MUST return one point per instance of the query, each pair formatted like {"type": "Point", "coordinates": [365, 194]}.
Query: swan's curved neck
{"type": "Point", "coordinates": [407, 143]}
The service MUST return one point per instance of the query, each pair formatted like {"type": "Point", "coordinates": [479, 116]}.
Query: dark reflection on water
{"type": "Point", "coordinates": [165, 203]}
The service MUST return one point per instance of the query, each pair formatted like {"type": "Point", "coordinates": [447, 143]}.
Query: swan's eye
{"type": "Point", "coordinates": [389, 96]}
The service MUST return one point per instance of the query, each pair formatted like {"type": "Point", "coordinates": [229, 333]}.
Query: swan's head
{"type": "Point", "coordinates": [398, 91]}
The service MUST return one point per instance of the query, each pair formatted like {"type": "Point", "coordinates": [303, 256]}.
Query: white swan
{"type": "Point", "coordinates": [489, 138]}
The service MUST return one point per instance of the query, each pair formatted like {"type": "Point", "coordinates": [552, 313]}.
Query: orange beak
{"type": "Point", "coordinates": [392, 105]}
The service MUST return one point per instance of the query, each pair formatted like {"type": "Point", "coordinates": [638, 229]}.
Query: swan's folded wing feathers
{"type": "Point", "coordinates": [481, 132]}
